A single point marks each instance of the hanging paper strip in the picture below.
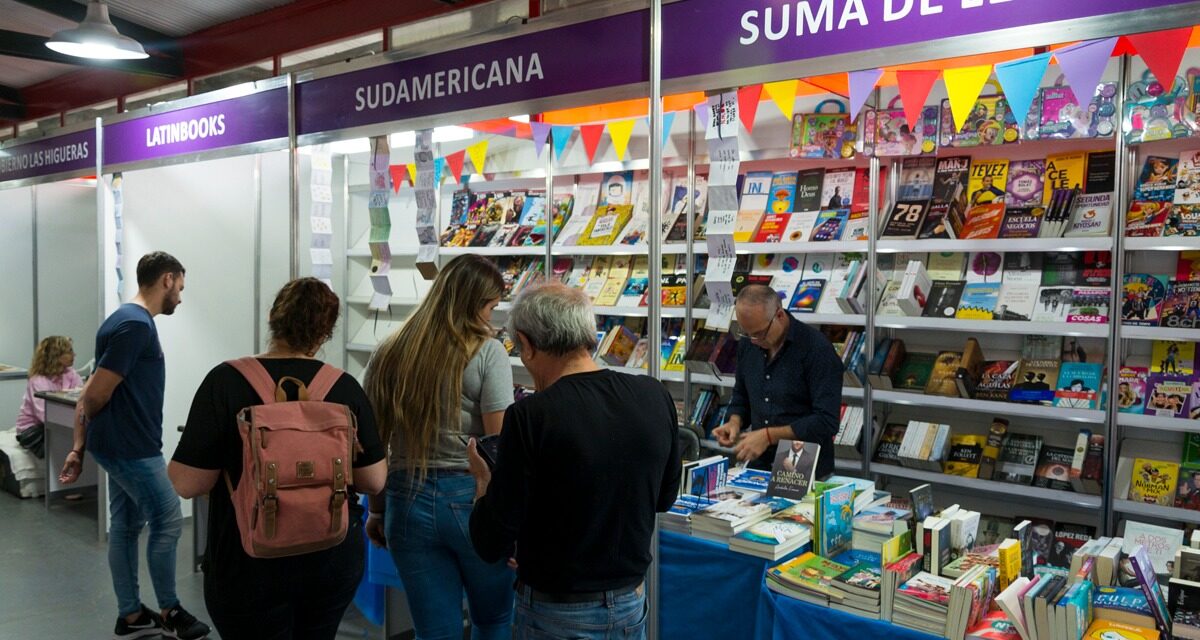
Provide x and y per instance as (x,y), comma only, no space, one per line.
(541,131)
(399,174)
(1083,64)
(560,135)
(963,87)
(380,234)
(320,215)
(425,192)
(914,89)
(724,162)
(783,93)
(1020,79)
(862,83)
(590,133)
(455,162)
(478,154)
(1162,51)
(620,133)
(118,196)
(748,98)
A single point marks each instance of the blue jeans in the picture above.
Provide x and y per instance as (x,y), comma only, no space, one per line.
(617,617)
(428,534)
(140,492)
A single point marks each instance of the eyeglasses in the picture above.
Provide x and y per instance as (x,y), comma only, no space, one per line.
(758,336)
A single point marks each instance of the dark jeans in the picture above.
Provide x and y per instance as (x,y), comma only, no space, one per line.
(33,440)
(298,598)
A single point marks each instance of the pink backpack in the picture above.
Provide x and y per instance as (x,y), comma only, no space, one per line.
(296,465)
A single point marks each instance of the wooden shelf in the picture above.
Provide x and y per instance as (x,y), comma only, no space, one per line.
(1022,492)
(1090,416)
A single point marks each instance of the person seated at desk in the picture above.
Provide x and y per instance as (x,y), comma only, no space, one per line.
(51,370)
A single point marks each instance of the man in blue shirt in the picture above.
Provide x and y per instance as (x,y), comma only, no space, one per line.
(788,386)
(119,419)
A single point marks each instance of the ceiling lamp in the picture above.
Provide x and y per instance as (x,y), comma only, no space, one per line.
(96,38)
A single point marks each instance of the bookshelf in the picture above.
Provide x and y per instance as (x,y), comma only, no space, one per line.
(1177,243)
(1159,333)
(755,248)
(1003,409)
(1157,423)
(1139,509)
(993,326)
(999,245)
(450,252)
(1018,491)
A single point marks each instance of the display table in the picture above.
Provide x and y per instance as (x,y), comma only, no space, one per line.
(60,437)
(792,619)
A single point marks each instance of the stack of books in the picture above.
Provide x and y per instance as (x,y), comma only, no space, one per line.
(875,526)
(923,603)
(807,577)
(721,521)
(858,590)
(679,517)
(779,535)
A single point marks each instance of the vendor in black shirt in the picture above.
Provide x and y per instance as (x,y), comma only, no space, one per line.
(583,466)
(789,383)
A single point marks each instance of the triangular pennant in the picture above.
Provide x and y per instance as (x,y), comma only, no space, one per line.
(702,115)
(439,165)
(784,95)
(963,86)
(1124,48)
(478,153)
(455,161)
(620,132)
(561,135)
(1020,80)
(1083,64)
(397,172)
(412,173)
(747,98)
(914,89)
(668,122)
(1162,51)
(591,139)
(862,83)
(540,131)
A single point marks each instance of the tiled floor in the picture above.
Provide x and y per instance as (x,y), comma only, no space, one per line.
(54,580)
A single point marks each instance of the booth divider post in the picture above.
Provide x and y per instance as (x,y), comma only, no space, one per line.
(654,309)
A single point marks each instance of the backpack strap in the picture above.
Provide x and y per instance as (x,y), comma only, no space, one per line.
(323,382)
(256,374)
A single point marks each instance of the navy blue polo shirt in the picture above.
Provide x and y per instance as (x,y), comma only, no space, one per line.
(800,388)
(130,425)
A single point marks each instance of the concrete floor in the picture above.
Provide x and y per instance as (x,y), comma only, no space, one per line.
(54,580)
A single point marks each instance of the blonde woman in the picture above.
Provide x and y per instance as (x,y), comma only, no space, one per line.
(441,376)
(50,371)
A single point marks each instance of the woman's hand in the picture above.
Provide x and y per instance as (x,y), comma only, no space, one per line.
(375,532)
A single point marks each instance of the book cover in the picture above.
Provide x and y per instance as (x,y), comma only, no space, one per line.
(807,296)
(1064,171)
(829,225)
(964,456)
(1018,458)
(942,378)
(942,301)
(951,179)
(978,301)
(793,469)
(782,193)
(1182,220)
(1025,183)
(1089,305)
(987,183)
(927,587)
(889,443)
(1035,379)
(1019,288)
(946,265)
(935,225)
(1053,304)
(905,219)
(922,502)
(1079,385)
(808,189)
(1069,538)
(996,380)
(837,188)
(916,178)
(1054,469)
(772,227)
(1146,218)
(914,373)
(1187,266)
(1101,172)
(860,577)
(984,266)
(1111,630)
(808,571)
(1181,307)
(1131,389)
(1142,296)
(606,224)
(1153,481)
(984,221)
(1187,495)
(1091,216)
(1187,178)
(836,513)
(1157,179)
(1167,395)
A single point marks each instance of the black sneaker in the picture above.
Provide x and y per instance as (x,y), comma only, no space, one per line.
(147,624)
(178,623)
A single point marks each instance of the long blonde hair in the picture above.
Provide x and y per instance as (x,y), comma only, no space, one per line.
(47,357)
(414,380)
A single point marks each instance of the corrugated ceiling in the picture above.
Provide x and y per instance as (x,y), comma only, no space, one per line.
(181,17)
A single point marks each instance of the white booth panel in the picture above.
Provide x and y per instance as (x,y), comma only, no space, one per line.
(68,264)
(17,333)
(276,189)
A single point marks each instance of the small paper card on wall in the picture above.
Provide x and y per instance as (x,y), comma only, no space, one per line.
(720,313)
(379,301)
(724,162)
(426,198)
(321,193)
(381,257)
(722,116)
(720,246)
(720,272)
(427,261)
(321,256)
(322,240)
(321,224)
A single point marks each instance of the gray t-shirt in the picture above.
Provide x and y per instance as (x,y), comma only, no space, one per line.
(487,386)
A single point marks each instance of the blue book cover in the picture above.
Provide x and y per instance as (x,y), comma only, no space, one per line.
(1124,599)
(830,225)
(854,557)
(1079,385)
(783,192)
(751,479)
(978,301)
(807,296)
(836,520)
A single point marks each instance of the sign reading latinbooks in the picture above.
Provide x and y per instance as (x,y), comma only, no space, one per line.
(794,469)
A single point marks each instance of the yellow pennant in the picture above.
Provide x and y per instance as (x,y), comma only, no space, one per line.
(783,93)
(412,174)
(620,133)
(963,86)
(478,153)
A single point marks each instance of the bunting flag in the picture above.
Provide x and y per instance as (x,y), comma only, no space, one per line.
(1124,48)
(748,98)
(963,86)
(439,169)
(412,173)
(1083,64)
(455,161)
(914,89)
(397,172)
(1020,79)
(862,83)
(541,131)
(561,135)
(620,133)
(668,122)
(478,154)
(702,115)
(784,95)
(590,133)
(1162,51)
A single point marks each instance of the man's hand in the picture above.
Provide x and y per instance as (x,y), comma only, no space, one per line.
(752,445)
(727,434)
(479,469)
(375,532)
(71,468)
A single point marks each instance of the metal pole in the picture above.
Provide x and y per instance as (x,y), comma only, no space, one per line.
(37,337)
(654,309)
(257,234)
(550,210)
(294,183)
(100,228)
(689,252)
(345,259)
(873,218)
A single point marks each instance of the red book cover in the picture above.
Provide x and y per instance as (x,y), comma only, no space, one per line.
(861,200)
(771,229)
(983,221)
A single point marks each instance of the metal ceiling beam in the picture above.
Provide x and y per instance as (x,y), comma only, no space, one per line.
(75,12)
(10,94)
(24,45)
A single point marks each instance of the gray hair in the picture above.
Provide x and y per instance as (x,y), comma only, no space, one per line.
(555,318)
(759,295)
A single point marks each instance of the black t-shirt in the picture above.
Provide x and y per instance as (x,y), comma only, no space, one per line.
(211,441)
(583,467)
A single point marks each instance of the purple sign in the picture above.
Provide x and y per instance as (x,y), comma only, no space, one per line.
(49,156)
(708,36)
(604,53)
(252,118)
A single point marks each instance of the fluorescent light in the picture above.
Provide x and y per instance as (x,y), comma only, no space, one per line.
(403,139)
(357,145)
(440,134)
(524,118)
(96,38)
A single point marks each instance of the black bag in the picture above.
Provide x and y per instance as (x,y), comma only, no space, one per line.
(33,440)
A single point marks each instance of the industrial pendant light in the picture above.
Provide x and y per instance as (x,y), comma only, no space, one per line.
(97,38)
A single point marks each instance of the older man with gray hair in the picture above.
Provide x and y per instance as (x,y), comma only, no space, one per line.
(583,466)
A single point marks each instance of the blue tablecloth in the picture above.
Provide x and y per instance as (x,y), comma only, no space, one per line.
(791,619)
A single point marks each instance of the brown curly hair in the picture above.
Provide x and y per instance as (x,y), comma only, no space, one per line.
(48,355)
(304,314)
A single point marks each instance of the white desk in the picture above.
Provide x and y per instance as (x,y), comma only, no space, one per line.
(60,437)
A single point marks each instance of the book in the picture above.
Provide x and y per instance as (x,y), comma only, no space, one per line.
(922,501)
(1167,395)
(1122,604)
(1153,481)
(1091,215)
(835,513)
(1101,172)
(1020,283)
(1064,171)
(889,443)
(772,227)
(1146,218)
(782,192)
(1182,220)
(808,572)
(964,456)
(793,469)
(837,188)
(915,372)
(1018,458)
(1187,178)
(947,265)
(951,180)
(1054,468)
(1160,544)
(987,183)
(1053,304)
(1025,183)
(1157,179)
(807,296)
(1110,630)
(916,178)
(943,298)
(1142,295)
(1033,384)
(1181,306)
(1131,389)
(606,225)
(1079,385)
(942,378)
(1021,222)
(996,380)
(935,225)
(978,301)
(905,219)
(830,225)
(1145,574)
(984,221)
(808,190)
